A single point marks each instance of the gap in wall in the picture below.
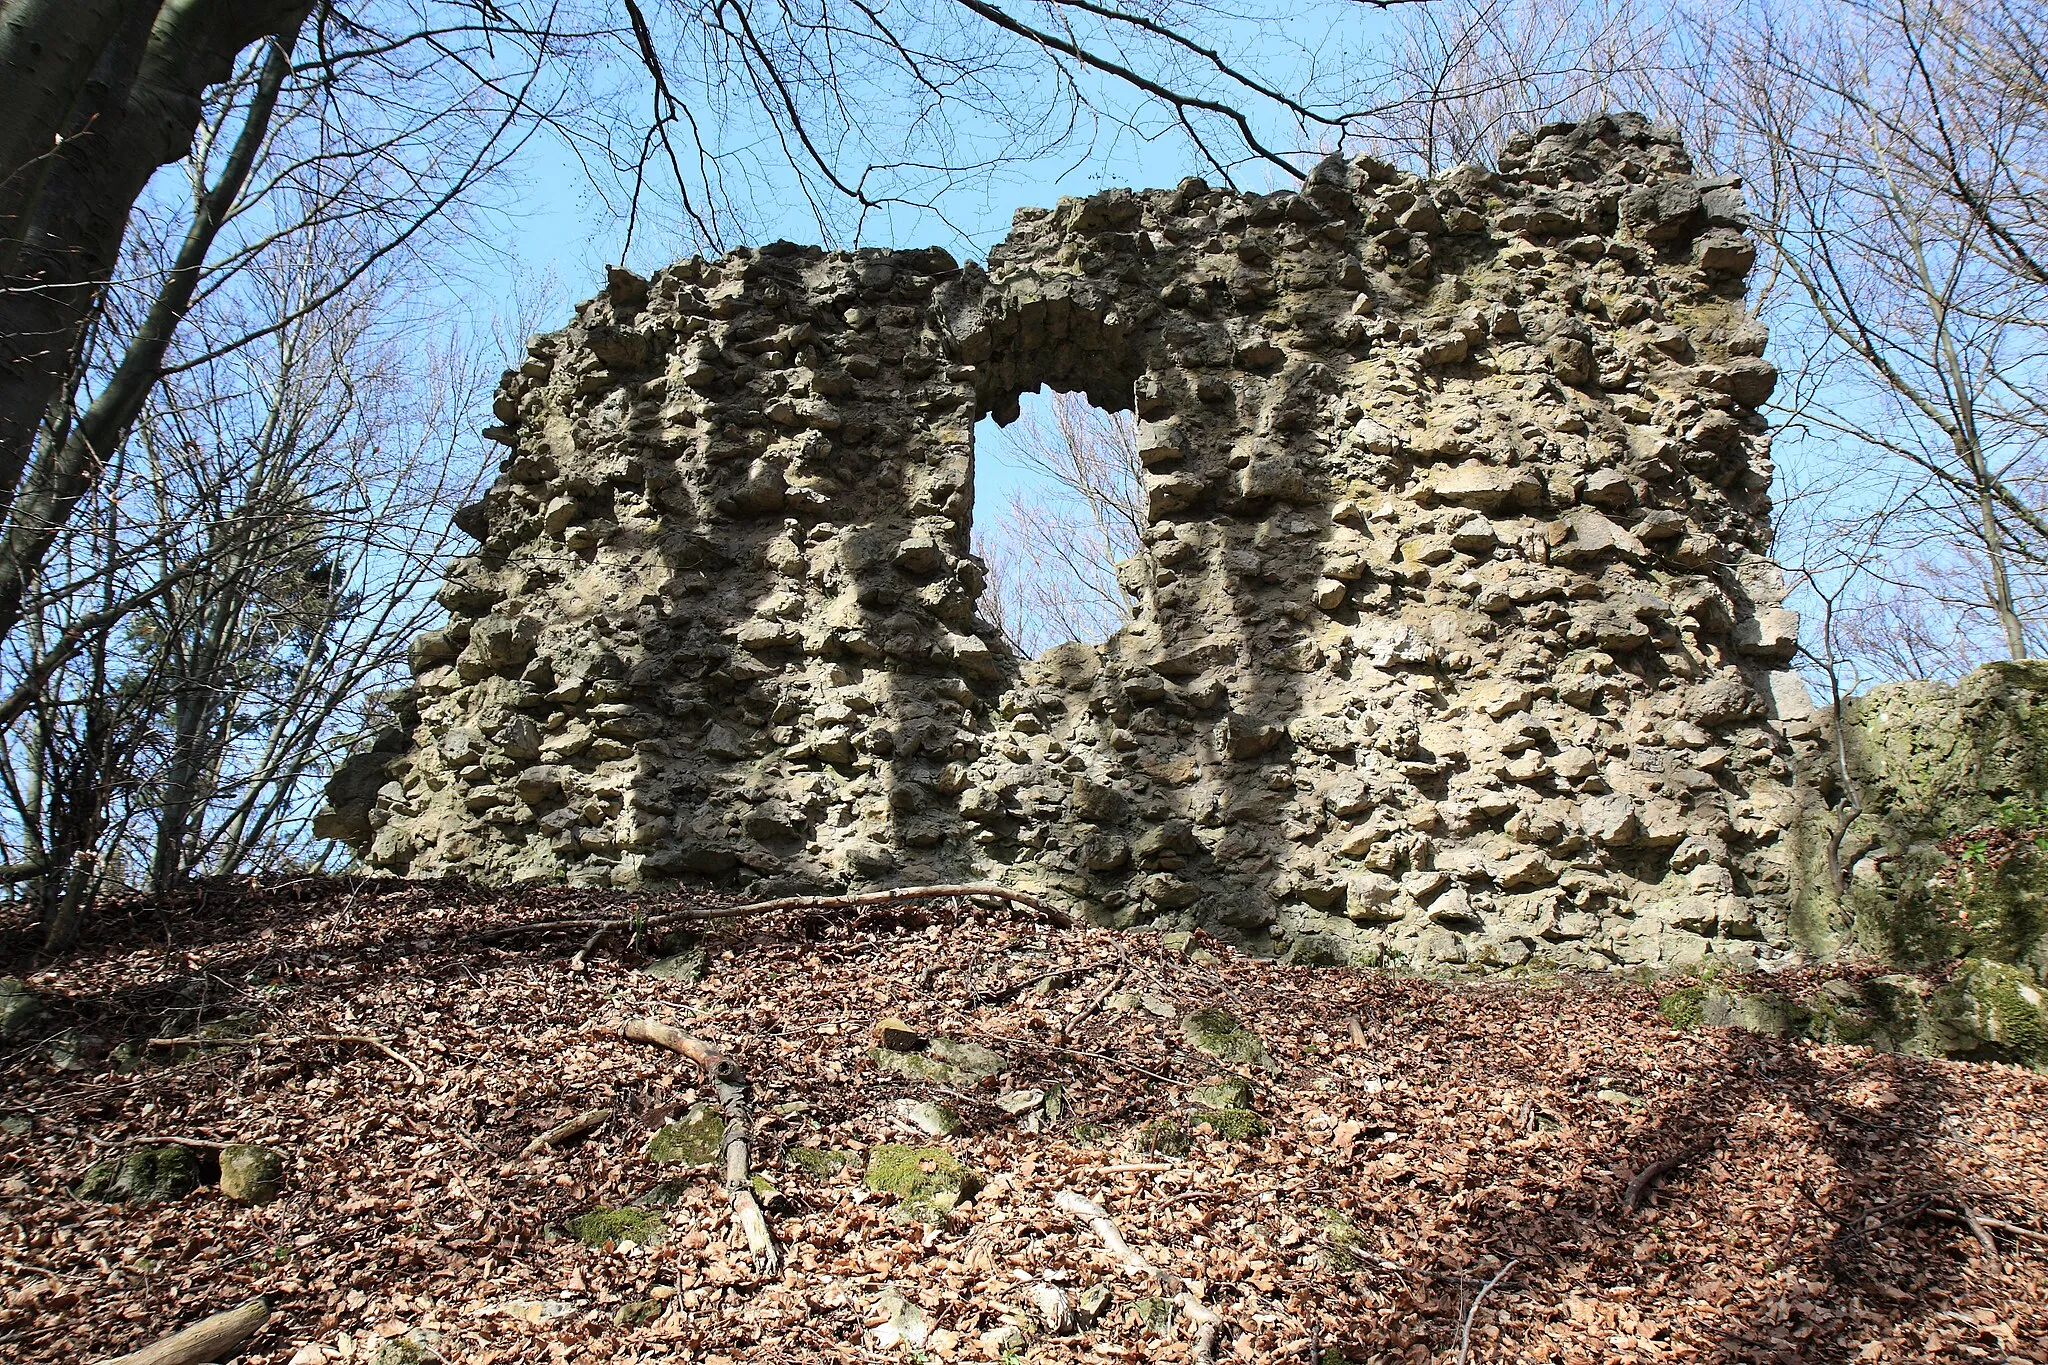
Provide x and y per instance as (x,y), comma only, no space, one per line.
(1058,502)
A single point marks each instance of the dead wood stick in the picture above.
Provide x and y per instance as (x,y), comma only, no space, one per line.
(288,1040)
(1974,1221)
(164,1140)
(1096,1218)
(1065,1028)
(584,1124)
(1646,1179)
(855,900)
(735,1101)
(709,1059)
(590,946)
(1984,1241)
(2014,1230)
(1465,1332)
(216,1338)
(1059,976)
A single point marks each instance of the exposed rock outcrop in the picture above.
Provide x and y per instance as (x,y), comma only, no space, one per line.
(1456,636)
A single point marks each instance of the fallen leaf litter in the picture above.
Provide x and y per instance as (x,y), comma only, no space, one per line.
(1416,1139)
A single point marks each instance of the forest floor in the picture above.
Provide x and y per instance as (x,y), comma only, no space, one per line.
(1425,1142)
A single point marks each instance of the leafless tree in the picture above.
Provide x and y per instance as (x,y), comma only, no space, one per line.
(1054,549)
(289,501)
(1893,154)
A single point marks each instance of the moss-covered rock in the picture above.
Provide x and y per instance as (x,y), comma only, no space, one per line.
(19,1008)
(1164,1137)
(692,1140)
(250,1174)
(605,1226)
(691,964)
(1217,1032)
(143,1175)
(928,1182)
(1233,1125)
(1770,1013)
(1936,770)
(1230,1092)
(638,1313)
(1994,1010)
(819,1163)
(943,1062)
(414,1348)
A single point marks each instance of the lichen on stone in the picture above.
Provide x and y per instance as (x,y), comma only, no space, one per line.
(250,1174)
(943,1062)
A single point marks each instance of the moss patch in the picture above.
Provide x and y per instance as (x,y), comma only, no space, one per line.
(1234,1125)
(819,1163)
(928,1182)
(1217,1032)
(146,1175)
(1165,1137)
(607,1225)
(1681,1008)
(1341,1240)
(691,1140)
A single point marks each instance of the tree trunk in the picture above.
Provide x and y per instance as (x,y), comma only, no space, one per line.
(48,49)
(71,461)
(138,109)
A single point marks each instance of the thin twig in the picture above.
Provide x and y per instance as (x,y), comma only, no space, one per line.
(1646,1179)
(1465,1333)
(860,900)
(287,1040)
(583,1125)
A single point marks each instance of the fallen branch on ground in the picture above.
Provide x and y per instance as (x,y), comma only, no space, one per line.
(1065,1028)
(735,1101)
(1003,995)
(289,1040)
(216,1338)
(1646,1179)
(583,1125)
(1465,1333)
(855,901)
(1973,1220)
(1096,1218)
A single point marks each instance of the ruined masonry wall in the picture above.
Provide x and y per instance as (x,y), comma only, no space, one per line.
(1456,636)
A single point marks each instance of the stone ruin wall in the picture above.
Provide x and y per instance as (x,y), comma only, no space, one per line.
(1456,635)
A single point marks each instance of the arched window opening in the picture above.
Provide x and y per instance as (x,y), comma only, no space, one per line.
(1058,504)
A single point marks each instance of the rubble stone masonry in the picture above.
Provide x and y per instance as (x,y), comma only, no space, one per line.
(1456,635)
